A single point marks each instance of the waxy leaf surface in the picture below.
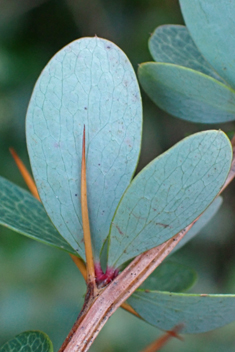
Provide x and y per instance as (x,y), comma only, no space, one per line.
(23,213)
(170,276)
(173,44)
(212,27)
(202,221)
(168,194)
(89,82)
(28,341)
(198,313)
(187,94)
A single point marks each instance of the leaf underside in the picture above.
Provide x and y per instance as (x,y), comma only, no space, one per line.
(198,226)
(168,194)
(186,93)
(28,341)
(212,27)
(198,313)
(173,44)
(170,276)
(89,82)
(23,213)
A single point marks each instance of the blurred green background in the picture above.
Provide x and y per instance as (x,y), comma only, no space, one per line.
(40,287)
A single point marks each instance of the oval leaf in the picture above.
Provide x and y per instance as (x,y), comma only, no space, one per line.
(89,82)
(212,27)
(28,341)
(173,44)
(170,276)
(202,221)
(197,313)
(187,94)
(168,194)
(23,213)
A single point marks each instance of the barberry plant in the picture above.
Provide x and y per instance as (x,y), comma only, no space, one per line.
(83,129)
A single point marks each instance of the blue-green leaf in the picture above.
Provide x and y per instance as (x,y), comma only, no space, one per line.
(28,341)
(197,313)
(168,194)
(170,276)
(187,94)
(174,45)
(23,213)
(212,27)
(198,226)
(89,82)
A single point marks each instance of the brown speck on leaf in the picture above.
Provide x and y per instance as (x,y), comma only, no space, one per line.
(118,228)
(163,225)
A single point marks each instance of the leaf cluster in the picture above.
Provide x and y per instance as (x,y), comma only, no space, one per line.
(91,83)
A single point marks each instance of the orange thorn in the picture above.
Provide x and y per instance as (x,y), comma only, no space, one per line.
(80,264)
(85,220)
(26,175)
(33,189)
(159,343)
(127,307)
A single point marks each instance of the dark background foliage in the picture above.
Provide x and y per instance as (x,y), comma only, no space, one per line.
(40,287)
